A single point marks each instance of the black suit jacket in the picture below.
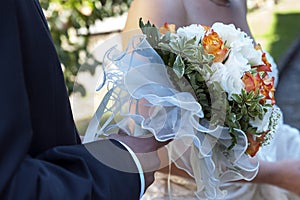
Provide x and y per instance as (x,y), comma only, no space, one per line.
(41,156)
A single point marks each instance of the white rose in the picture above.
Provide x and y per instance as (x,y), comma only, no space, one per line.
(253,56)
(229,79)
(192,31)
(238,41)
(234,37)
(236,66)
(237,63)
(274,68)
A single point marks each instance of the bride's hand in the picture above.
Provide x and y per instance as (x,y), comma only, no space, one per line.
(146,151)
(284,174)
(288,175)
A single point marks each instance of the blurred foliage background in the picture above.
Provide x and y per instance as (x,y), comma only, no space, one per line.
(70,22)
(276,27)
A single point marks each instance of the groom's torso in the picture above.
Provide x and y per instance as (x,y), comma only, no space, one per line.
(51,118)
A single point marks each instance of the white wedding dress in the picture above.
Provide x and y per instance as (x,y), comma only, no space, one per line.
(284,145)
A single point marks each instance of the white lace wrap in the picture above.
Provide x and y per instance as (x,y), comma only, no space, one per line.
(142,98)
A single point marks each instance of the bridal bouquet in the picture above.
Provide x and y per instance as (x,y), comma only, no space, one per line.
(207,89)
(222,61)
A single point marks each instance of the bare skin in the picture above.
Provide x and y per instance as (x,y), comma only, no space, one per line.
(285,174)
(186,12)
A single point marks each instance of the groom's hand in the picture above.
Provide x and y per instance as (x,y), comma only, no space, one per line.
(146,151)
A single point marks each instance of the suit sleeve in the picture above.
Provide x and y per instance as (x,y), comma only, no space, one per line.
(63,172)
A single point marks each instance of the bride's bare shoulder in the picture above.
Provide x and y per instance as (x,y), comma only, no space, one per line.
(156,11)
(185,12)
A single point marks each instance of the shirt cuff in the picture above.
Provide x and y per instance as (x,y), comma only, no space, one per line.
(139,167)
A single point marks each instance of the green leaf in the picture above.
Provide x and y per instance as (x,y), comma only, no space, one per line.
(164,46)
(244,94)
(191,42)
(244,110)
(252,114)
(237,98)
(199,78)
(251,130)
(141,23)
(239,116)
(152,33)
(234,136)
(174,47)
(166,38)
(250,96)
(178,66)
(233,117)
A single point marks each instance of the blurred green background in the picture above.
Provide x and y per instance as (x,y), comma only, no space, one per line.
(70,23)
(277,27)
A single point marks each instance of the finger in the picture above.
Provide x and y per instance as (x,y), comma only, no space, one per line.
(156,144)
(114,136)
(165,143)
(122,132)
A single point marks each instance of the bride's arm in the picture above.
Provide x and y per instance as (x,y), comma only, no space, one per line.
(156,11)
(284,174)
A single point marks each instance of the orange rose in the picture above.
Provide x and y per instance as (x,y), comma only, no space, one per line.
(167,28)
(268,89)
(265,85)
(252,83)
(213,44)
(254,143)
(206,28)
(266,67)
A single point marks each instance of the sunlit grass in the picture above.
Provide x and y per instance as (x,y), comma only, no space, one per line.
(279,32)
(285,30)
